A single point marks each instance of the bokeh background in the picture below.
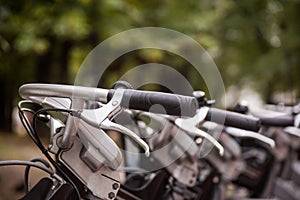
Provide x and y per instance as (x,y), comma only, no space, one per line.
(255,44)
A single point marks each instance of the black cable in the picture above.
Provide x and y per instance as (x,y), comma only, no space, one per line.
(25,120)
(27,163)
(33,164)
(35,116)
(44,151)
(26,174)
(33,134)
(31,129)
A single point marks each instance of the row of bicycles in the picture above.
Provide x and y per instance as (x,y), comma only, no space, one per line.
(122,143)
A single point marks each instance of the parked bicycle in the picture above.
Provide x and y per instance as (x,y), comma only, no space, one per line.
(187,150)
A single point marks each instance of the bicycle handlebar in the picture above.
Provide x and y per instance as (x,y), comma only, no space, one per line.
(275,118)
(233,119)
(173,104)
(281,121)
(63,91)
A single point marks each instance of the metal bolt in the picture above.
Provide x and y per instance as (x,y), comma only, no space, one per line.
(114,103)
(115,186)
(57,130)
(111,195)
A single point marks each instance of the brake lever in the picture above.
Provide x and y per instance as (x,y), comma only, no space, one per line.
(250,134)
(101,117)
(292,131)
(189,125)
(109,125)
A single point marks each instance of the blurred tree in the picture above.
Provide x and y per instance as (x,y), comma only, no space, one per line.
(252,41)
(259,44)
(36,44)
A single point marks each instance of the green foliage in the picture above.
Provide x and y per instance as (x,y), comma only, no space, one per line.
(256,41)
(259,41)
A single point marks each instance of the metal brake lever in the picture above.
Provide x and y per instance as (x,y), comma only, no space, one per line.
(249,134)
(189,125)
(107,124)
(292,131)
(101,117)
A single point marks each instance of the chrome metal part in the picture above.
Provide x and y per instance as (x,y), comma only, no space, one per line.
(99,182)
(99,147)
(292,131)
(101,117)
(189,125)
(56,130)
(178,155)
(250,134)
(28,91)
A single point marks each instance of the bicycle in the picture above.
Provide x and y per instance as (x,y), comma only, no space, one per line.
(86,157)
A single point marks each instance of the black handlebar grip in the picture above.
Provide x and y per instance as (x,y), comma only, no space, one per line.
(173,104)
(281,121)
(233,119)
